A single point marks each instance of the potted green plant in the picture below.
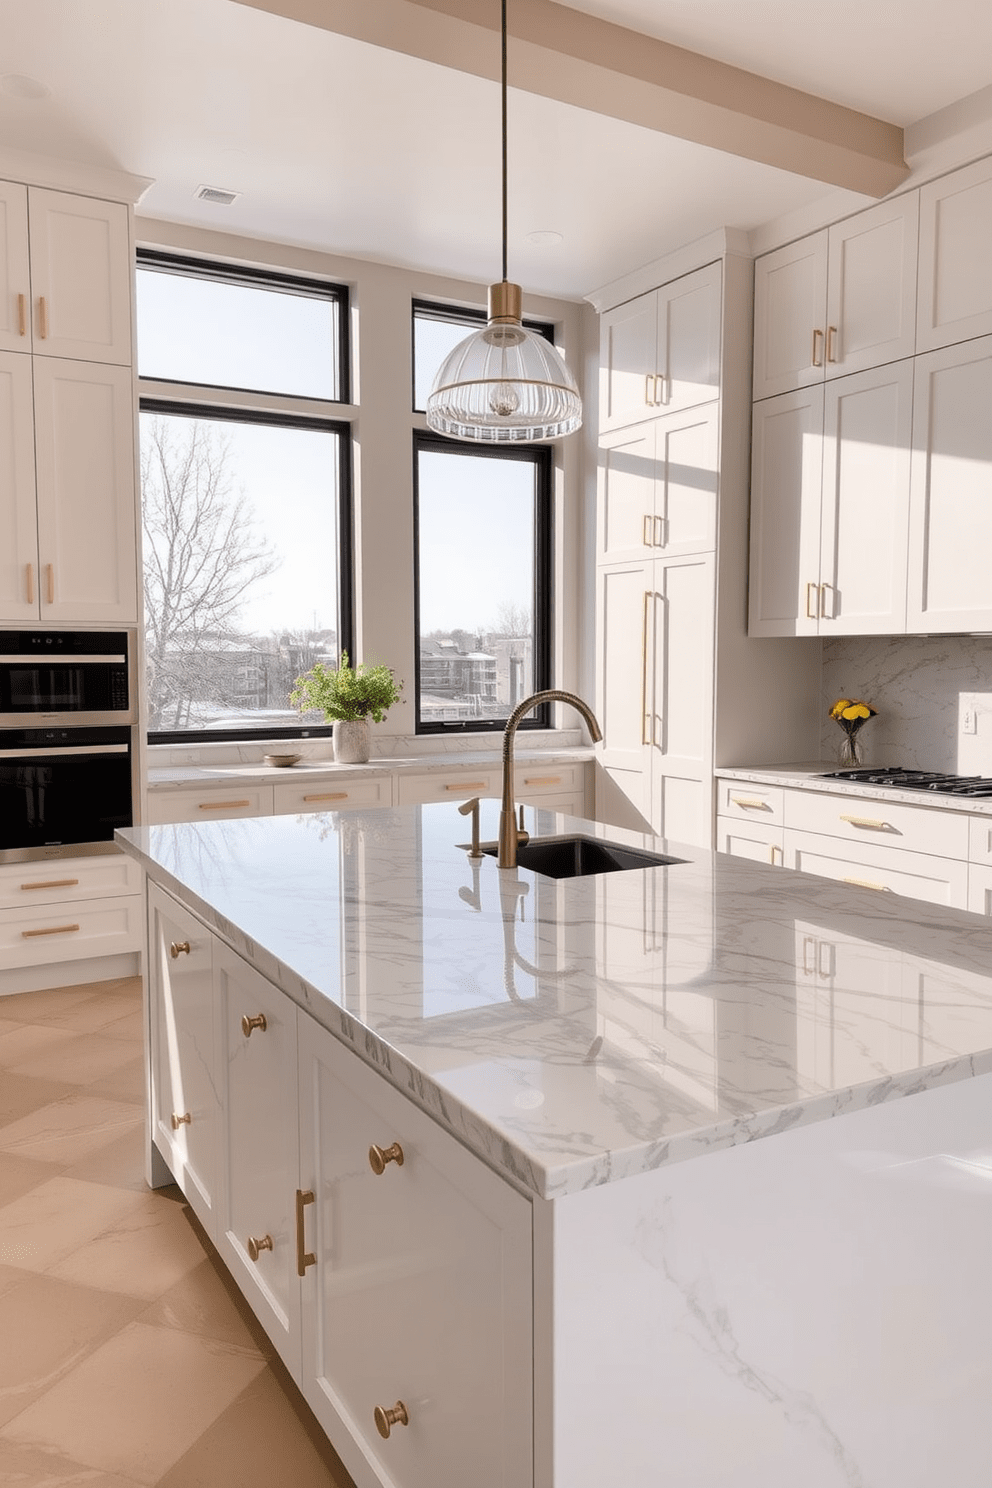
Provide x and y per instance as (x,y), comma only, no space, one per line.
(348,697)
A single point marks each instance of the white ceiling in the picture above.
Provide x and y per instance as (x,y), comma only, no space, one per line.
(343,146)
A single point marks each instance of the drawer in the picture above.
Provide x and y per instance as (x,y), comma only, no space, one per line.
(883,823)
(58,879)
(980,889)
(759,841)
(329,795)
(448,785)
(37,934)
(872,865)
(756,803)
(980,839)
(530,782)
(208,805)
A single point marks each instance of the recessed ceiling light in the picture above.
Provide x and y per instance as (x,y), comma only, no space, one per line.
(216,194)
(19,85)
(545,237)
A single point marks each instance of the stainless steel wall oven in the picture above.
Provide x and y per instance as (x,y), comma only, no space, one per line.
(72,677)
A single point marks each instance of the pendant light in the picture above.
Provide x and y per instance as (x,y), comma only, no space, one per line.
(504,384)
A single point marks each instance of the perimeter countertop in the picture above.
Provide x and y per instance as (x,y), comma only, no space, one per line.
(807,777)
(576,1032)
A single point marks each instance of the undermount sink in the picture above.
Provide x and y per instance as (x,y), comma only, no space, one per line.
(578,857)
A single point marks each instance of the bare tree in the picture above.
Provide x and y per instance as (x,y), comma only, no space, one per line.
(202,557)
(512,619)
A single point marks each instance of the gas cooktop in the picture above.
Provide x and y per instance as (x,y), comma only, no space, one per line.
(922,780)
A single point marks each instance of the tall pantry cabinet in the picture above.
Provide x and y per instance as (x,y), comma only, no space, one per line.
(679,686)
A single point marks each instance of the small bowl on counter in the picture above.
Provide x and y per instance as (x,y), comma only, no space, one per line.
(282,761)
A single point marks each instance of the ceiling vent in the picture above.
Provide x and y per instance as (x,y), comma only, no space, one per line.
(216,194)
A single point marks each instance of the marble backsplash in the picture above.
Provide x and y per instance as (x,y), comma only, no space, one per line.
(923,687)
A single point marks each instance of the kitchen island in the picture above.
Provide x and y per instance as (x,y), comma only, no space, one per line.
(703,1152)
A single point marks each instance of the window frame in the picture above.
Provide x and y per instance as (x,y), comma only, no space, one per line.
(542,457)
(289,416)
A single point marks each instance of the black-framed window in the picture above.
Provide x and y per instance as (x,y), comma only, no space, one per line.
(247,529)
(482,582)
(437,330)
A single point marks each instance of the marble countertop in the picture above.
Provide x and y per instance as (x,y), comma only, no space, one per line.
(804,777)
(183,777)
(575,1032)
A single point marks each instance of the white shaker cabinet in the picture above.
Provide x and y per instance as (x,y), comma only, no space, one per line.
(955,282)
(658,487)
(18,501)
(839,301)
(15,269)
(830,497)
(80,277)
(661,351)
(950,535)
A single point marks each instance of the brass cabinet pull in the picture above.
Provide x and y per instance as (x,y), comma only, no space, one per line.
(247,1024)
(648,380)
(646,529)
(467,785)
(823,605)
(542,780)
(811,613)
(866,883)
(380,1156)
(831,343)
(30,581)
(773,849)
(807,942)
(219,805)
(385,1420)
(22,315)
(814,360)
(329,796)
(751,802)
(304,1257)
(43,317)
(50,575)
(659,531)
(52,883)
(644,669)
(255,1247)
(867,821)
(184,1120)
(179,948)
(50,930)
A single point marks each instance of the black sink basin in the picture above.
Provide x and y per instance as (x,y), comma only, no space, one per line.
(578,857)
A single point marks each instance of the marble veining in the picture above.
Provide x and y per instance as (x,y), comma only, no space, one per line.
(576,1032)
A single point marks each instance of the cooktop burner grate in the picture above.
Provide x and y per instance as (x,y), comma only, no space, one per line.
(922,780)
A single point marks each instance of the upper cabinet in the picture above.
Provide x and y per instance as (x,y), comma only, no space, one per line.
(661,352)
(65,274)
(840,301)
(955,295)
(658,487)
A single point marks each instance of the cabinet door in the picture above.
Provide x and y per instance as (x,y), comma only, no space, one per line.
(950,529)
(686,456)
(758,841)
(864,521)
(871,287)
(260,1147)
(955,288)
(882,869)
(80,277)
(790,297)
(228,803)
(681,700)
(787,456)
(629,389)
(15,281)
(87,541)
(18,508)
(185,1107)
(689,339)
(625,639)
(421,1292)
(628,477)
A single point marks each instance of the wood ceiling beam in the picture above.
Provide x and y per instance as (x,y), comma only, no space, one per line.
(579,59)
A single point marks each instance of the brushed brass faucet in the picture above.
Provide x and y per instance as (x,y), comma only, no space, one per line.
(510,835)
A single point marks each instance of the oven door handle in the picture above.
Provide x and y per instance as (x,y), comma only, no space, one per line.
(57,752)
(60,659)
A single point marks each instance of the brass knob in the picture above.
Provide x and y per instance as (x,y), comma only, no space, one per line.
(385,1420)
(247,1024)
(178,1121)
(179,948)
(380,1156)
(255,1247)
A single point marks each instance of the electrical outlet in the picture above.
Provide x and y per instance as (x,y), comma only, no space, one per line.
(969,722)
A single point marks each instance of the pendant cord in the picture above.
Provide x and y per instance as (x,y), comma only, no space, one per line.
(503,90)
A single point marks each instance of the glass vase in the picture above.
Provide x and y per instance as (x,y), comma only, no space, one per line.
(852,751)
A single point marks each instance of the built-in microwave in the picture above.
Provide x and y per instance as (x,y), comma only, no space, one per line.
(80,678)
(63,791)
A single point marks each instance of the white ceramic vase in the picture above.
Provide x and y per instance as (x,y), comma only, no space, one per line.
(352,742)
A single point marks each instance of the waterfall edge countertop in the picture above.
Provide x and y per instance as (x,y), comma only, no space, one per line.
(575,1032)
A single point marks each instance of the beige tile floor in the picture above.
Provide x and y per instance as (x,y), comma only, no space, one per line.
(127,1355)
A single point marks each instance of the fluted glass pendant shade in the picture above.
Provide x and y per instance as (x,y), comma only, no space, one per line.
(504,384)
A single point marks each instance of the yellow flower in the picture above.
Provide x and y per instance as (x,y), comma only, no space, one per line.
(857,710)
(839,706)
